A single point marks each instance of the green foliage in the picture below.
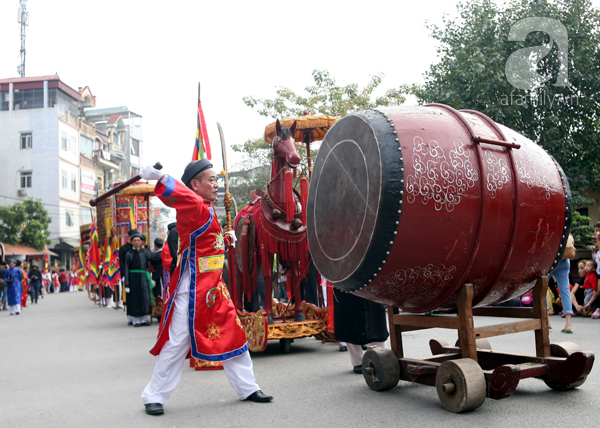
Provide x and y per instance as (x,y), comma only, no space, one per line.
(327,97)
(580,227)
(25,222)
(470,74)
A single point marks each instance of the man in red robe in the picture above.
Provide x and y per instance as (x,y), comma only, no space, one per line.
(199,319)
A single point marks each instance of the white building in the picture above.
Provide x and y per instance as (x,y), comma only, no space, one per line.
(50,152)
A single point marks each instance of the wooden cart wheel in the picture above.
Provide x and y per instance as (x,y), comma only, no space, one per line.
(563,350)
(286,345)
(381,368)
(460,385)
(479,344)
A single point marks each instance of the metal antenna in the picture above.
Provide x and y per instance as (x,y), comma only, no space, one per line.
(23,19)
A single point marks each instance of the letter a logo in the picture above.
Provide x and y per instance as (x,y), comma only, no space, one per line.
(521,65)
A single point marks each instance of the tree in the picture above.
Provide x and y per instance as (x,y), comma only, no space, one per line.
(327,97)
(25,222)
(552,97)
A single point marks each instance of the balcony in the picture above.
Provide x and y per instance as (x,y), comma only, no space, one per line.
(118,150)
(103,158)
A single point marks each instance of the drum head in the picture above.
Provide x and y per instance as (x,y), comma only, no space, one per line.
(355,199)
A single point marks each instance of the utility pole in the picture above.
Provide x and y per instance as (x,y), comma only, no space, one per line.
(23,19)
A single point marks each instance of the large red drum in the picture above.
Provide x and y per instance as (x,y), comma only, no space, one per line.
(407,204)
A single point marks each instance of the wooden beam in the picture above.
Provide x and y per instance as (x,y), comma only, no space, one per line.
(395,332)
(540,312)
(502,311)
(507,328)
(426,321)
(466,336)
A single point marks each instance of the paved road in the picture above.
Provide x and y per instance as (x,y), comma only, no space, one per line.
(67,363)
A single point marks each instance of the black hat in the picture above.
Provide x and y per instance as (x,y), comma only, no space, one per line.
(172,225)
(136,235)
(132,232)
(159,242)
(194,168)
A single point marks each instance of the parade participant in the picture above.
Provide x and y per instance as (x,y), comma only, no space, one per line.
(137,282)
(125,248)
(199,318)
(73,281)
(173,243)
(35,277)
(359,322)
(157,271)
(3,289)
(13,278)
(24,283)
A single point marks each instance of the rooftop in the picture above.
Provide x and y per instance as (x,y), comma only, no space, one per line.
(106,113)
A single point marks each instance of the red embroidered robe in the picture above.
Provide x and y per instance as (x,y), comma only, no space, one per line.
(215,330)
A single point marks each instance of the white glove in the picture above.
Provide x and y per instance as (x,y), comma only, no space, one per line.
(233,237)
(151,173)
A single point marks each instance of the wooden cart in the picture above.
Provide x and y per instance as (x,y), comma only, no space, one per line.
(465,374)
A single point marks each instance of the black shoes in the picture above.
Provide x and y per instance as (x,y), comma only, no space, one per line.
(343,349)
(358,369)
(154,409)
(259,397)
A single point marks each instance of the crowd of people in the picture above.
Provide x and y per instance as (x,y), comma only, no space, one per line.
(18,283)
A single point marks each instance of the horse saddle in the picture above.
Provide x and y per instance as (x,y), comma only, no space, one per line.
(279,222)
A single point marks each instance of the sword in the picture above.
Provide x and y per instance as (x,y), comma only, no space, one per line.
(227,198)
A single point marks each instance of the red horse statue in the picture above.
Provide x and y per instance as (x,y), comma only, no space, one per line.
(274,223)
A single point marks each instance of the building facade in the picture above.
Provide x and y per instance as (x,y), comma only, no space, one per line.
(53,152)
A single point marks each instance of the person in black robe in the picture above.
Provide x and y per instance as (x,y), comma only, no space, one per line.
(157,269)
(359,322)
(173,243)
(138,283)
(125,248)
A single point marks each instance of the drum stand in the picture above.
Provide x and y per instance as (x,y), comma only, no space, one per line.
(466,373)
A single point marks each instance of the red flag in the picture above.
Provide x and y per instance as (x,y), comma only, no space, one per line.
(202,146)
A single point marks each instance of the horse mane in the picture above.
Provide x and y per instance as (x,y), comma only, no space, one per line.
(285,133)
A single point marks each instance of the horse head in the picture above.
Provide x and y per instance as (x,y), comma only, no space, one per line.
(283,144)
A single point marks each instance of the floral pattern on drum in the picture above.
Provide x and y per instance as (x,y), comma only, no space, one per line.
(532,173)
(416,283)
(498,173)
(438,177)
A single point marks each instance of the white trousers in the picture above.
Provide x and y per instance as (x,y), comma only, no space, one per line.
(356,352)
(15,309)
(169,364)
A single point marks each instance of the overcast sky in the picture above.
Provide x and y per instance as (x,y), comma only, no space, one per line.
(150,56)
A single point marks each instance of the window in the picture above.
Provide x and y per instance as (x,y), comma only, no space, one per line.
(73,144)
(26,140)
(63,180)
(26,179)
(135,147)
(64,141)
(68,218)
(28,98)
(73,183)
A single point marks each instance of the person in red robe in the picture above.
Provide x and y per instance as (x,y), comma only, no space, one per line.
(199,319)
